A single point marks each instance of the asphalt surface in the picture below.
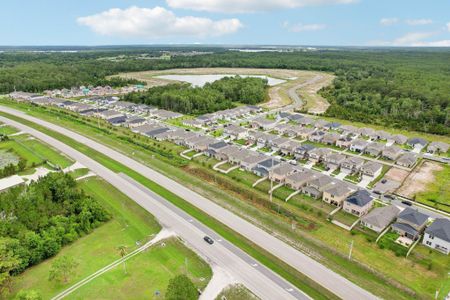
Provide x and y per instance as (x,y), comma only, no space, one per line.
(337,284)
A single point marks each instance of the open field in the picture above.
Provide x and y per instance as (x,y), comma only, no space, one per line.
(148,272)
(129,223)
(393,277)
(316,104)
(7,130)
(278,94)
(236,292)
(435,191)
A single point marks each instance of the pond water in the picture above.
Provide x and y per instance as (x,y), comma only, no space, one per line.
(201,80)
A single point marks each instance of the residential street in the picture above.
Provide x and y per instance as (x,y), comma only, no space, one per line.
(259,280)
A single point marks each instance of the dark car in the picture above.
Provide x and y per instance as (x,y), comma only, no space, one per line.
(407,203)
(389,197)
(208,240)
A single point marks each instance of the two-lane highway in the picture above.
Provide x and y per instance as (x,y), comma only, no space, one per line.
(337,284)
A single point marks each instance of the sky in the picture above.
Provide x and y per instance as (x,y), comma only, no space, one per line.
(238,22)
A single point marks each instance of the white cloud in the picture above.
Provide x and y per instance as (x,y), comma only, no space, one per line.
(299,27)
(415,22)
(442,43)
(411,38)
(388,21)
(448,26)
(155,22)
(243,6)
(414,39)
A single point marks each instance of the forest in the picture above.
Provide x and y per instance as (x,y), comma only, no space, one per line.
(402,88)
(37,220)
(218,95)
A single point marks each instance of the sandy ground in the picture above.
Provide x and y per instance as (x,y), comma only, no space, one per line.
(277,94)
(396,174)
(218,282)
(418,179)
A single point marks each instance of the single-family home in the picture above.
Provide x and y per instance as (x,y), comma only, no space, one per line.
(305,121)
(336,193)
(407,160)
(305,132)
(135,121)
(349,130)
(410,223)
(235,132)
(289,147)
(263,123)
(438,147)
(162,114)
(108,114)
(392,152)
(352,164)
(213,148)
(116,121)
(280,172)
(382,135)
(374,149)
(302,152)
(358,145)
(358,203)
(437,235)
(314,188)
(371,169)
(295,117)
(276,143)
(320,123)
(332,126)
(344,142)
(318,154)
(192,123)
(330,138)
(334,160)
(317,136)
(380,217)
(399,139)
(418,143)
(368,132)
(299,179)
(251,160)
(262,168)
(225,153)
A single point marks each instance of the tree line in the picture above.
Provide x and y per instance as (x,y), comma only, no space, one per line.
(37,220)
(218,95)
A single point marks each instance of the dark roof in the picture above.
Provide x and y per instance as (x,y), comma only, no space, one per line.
(268,163)
(262,171)
(117,120)
(306,147)
(218,145)
(334,125)
(156,131)
(360,198)
(68,102)
(284,115)
(135,120)
(413,141)
(406,228)
(413,216)
(440,229)
(295,117)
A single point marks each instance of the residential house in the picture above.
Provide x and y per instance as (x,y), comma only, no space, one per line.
(374,149)
(289,147)
(344,142)
(295,117)
(349,130)
(116,121)
(108,114)
(371,169)
(124,105)
(280,172)
(299,179)
(330,138)
(135,121)
(193,123)
(252,160)
(407,160)
(332,126)
(437,147)
(382,135)
(317,136)
(302,152)
(358,145)
(253,136)
(226,153)
(157,134)
(213,148)
(306,121)
(276,144)
(305,133)
(399,139)
(358,203)
(437,235)
(263,123)
(410,223)
(320,123)
(352,164)
(315,187)
(336,193)
(235,132)
(368,132)
(162,114)
(318,154)
(392,152)
(334,160)
(417,143)
(380,218)
(201,145)
(262,168)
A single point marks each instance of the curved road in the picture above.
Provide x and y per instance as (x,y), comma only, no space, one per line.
(337,284)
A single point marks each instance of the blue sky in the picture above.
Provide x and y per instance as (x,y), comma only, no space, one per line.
(287,22)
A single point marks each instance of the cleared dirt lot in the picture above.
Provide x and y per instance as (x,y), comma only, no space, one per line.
(419,179)
(278,94)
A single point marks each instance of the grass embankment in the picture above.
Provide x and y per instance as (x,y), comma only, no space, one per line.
(327,243)
(129,223)
(437,192)
(284,270)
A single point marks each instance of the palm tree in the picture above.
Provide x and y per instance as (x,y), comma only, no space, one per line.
(122,252)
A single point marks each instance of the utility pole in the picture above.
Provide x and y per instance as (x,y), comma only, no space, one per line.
(271,181)
(350,252)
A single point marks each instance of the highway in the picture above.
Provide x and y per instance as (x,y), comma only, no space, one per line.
(337,284)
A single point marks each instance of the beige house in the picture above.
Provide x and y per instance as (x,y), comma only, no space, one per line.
(358,203)
(336,194)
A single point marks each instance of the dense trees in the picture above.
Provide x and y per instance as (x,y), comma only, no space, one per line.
(38,219)
(181,288)
(196,100)
(404,88)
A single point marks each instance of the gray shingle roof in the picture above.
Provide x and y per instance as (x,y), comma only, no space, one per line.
(440,229)
(381,216)
(360,198)
(413,216)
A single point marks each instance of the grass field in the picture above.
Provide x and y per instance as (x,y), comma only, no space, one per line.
(7,130)
(130,223)
(236,292)
(148,272)
(397,277)
(437,192)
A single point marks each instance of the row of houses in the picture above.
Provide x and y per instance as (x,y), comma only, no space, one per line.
(83,91)
(227,115)
(411,224)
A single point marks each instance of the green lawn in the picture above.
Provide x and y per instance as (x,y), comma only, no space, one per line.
(236,292)
(437,192)
(387,241)
(130,223)
(397,278)
(22,151)
(79,172)
(147,272)
(7,130)
(345,217)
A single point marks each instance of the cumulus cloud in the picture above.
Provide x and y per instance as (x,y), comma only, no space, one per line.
(415,22)
(299,27)
(156,23)
(388,21)
(243,6)
(414,39)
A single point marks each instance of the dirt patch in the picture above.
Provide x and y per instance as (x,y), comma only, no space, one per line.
(316,104)
(418,180)
(396,174)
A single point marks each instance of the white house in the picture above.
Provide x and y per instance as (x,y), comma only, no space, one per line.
(437,236)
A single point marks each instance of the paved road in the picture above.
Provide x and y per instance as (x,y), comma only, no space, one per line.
(260,280)
(311,268)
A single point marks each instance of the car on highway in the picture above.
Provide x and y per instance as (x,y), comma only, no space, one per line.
(406,202)
(208,240)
